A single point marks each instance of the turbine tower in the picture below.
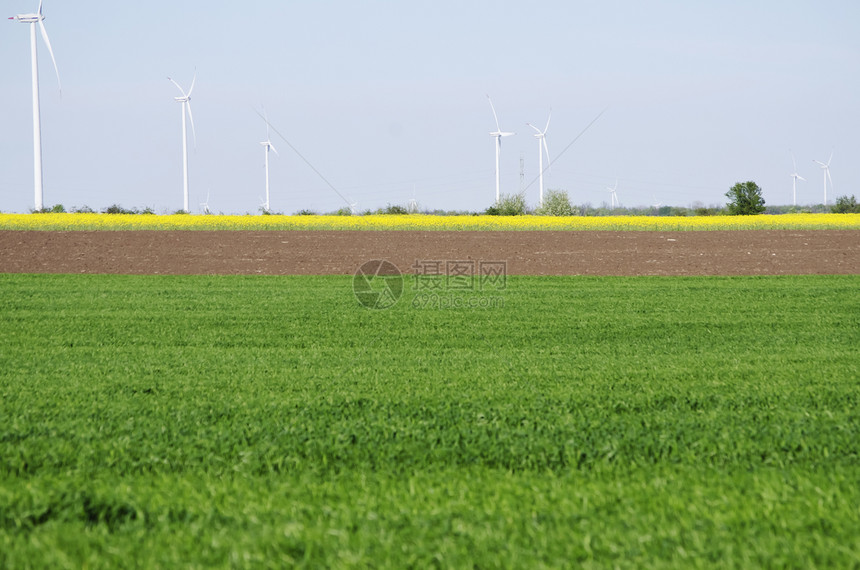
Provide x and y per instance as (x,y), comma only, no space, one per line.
(185,99)
(540,135)
(34,19)
(794,178)
(498,134)
(267,145)
(826,169)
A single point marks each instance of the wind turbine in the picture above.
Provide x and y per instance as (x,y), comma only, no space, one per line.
(498,134)
(613,197)
(33,19)
(794,178)
(541,137)
(267,145)
(412,208)
(826,169)
(205,205)
(185,99)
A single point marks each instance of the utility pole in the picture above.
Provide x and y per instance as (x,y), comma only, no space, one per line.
(522,172)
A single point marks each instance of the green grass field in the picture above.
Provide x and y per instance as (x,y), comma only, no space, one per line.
(585,422)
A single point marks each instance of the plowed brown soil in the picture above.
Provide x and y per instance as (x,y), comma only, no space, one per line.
(342,252)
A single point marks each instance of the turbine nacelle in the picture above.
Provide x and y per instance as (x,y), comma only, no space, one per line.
(28,18)
(269,146)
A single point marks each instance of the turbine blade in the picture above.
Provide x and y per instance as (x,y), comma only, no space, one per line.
(496,117)
(40,7)
(535,128)
(546,149)
(50,49)
(271,146)
(547,121)
(799,177)
(191,117)
(829,159)
(193,81)
(181,90)
(794,162)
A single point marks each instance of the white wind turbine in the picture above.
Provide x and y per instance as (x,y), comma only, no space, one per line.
(498,134)
(267,145)
(613,197)
(826,169)
(34,19)
(541,137)
(794,178)
(412,208)
(185,99)
(205,205)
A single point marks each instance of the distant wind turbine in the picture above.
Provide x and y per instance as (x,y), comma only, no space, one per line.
(185,99)
(412,208)
(541,137)
(267,144)
(794,178)
(613,197)
(826,169)
(33,19)
(498,134)
(205,205)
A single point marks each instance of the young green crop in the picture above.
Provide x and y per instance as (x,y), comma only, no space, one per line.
(272,421)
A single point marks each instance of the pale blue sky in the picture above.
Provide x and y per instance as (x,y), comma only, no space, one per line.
(388,101)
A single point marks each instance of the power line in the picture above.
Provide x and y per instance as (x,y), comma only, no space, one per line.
(295,150)
(570,144)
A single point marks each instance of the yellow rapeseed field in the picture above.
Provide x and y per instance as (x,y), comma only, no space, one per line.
(71,222)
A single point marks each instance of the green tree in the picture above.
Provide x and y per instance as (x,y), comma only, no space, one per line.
(509,205)
(556,203)
(846,205)
(745,199)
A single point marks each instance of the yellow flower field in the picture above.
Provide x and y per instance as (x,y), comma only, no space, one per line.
(116,222)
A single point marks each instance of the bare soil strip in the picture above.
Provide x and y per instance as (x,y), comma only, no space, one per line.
(780,252)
